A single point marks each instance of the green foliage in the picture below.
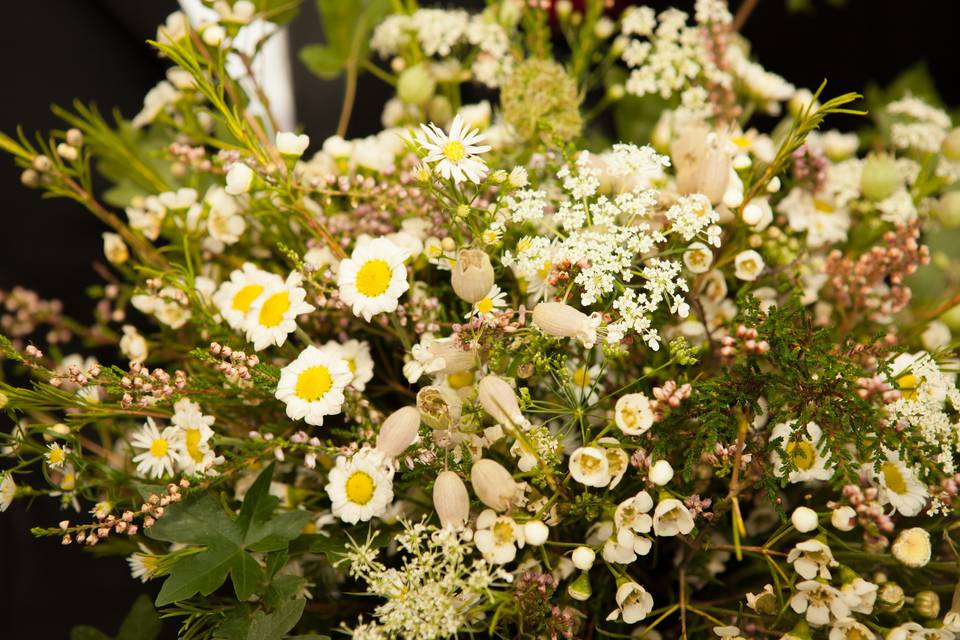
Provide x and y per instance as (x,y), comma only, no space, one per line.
(228,542)
(347,27)
(141,623)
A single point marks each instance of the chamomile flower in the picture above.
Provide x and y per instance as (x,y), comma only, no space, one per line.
(193,435)
(144,563)
(804,452)
(235,296)
(56,455)
(273,314)
(312,385)
(498,537)
(357,356)
(360,487)
(900,487)
(157,457)
(8,490)
(485,306)
(373,278)
(454,155)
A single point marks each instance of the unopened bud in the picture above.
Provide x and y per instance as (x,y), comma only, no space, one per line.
(499,400)
(399,431)
(494,485)
(74,137)
(472,277)
(890,597)
(438,407)
(450,500)
(564,321)
(927,604)
(416,85)
(455,359)
(580,588)
(950,148)
(880,177)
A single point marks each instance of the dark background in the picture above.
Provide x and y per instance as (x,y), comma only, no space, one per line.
(53,51)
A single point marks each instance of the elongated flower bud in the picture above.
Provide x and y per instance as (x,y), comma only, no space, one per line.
(398,431)
(563,321)
(439,408)
(499,400)
(472,277)
(455,359)
(450,500)
(712,175)
(494,485)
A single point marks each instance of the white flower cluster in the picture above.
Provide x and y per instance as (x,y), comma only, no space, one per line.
(917,124)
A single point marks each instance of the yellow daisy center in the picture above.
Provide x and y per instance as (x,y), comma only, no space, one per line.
(544,271)
(803,454)
(503,532)
(373,278)
(313,383)
(192,439)
(581,377)
(274,308)
(742,142)
(454,151)
(360,487)
(158,448)
(56,456)
(822,206)
(893,478)
(460,379)
(908,386)
(485,305)
(245,297)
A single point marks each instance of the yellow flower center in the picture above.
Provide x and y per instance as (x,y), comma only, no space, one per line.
(581,377)
(893,478)
(454,151)
(630,417)
(803,454)
(245,297)
(360,487)
(697,257)
(485,305)
(908,386)
(373,278)
(855,634)
(313,383)
(158,448)
(589,464)
(822,206)
(460,379)
(274,308)
(352,365)
(192,439)
(56,456)
(544,271)
(742,142)
(503,532)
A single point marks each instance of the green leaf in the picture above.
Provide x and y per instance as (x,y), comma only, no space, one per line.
(282,589)
(279,12)
(85,632)
(246,576)
(275,625)
(142,623)
(202,573)
(322,61)
(258,503)
(275,534)
(347,27)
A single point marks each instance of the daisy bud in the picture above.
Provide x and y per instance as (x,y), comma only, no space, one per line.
(398,431)
(292,145)
(499,400)
(563,321)
(804,519)
(472,277)
(415,85)
(912,547)
(239,179)
(950,147)
(494,485)
(843,518)
(580,588)
(927,604)
(890,597)
(439,408)
(114,248)
(450,500)
(535,533)
(661,473)
(583,558)
(880,176)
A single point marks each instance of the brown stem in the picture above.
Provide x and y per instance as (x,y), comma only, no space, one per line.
(743,12)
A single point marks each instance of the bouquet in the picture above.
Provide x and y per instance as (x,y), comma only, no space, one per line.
(606,334)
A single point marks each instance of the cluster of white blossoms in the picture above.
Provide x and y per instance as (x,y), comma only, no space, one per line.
(186,445)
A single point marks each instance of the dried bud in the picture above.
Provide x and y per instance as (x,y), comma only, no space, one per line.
(439,407)
(472,277)
(499,400)
(494,485)
(450,500)
(563,321)
(398,431)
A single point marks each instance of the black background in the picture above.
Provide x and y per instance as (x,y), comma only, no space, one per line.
(52,51)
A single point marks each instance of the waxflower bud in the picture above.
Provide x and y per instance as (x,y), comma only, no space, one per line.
(74,137)
(661,473)
(950,148)
(30,178)
(472,277)
(499,400)
(580,588)
(67,152)
(438,408)
(890,597)
(239,179)
(42,163)
(927,604)
(292,145)
(416,85)
(114,248)
(880,177)
(912,547)
(804,519)
(563,321)
(535,533)
(450,500)
(583,558)
(399,431)
(843,518)
(494,485)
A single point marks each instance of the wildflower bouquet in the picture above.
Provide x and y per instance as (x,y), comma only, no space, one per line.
(592,356)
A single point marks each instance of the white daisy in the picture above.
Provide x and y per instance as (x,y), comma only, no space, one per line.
(144,563)
(497,537)
(8,490)
(484,307)
(454,155)
(312,385)
(900,486)
(372,280)
(236,295)
(157,458)
(804,452)
(273,314)
(56,455)
(192,438)
(357,356)
(360,487)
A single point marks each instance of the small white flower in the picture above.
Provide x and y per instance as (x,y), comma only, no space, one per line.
(589,466)
(56,455)
(671,517)
(633,414)
(633,603)
(360,487)
(114,248)
(273,314)
(454,155)
(312,385)
(192,438)
(372,280)
(748,265)
(850,629)
(698,257)
(900,487)
(8,490)
(497,537)
(860,595)
(133,345)
(291,144)
(811,559)
(239,179)
(143,563)
(156,460)
(912,547)
(819,602)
